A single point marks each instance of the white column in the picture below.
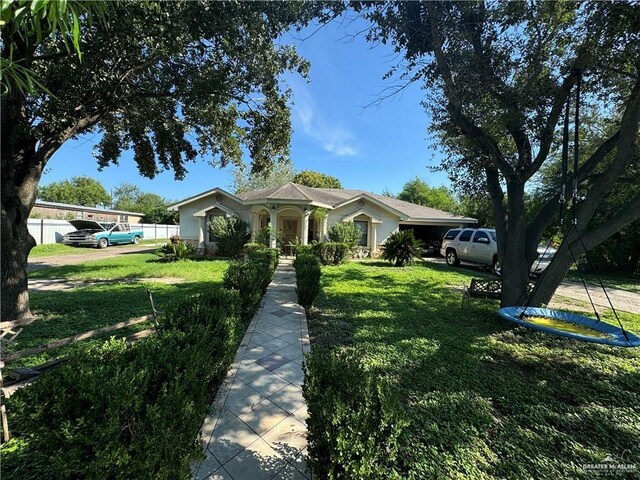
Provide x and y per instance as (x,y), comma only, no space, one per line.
(273,220)
(324,228)
(305,228)
(374,237)
(254,226)
(202,232)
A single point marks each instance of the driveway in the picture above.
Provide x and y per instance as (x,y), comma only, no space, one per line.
(37,263)
(621,299)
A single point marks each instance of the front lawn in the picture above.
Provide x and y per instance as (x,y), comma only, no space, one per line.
(51,249)
(116,296)
(471,395)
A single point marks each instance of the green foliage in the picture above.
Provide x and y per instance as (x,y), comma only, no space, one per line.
(345,232)
(319,214)
(249,248)
(308,272)
(230,235)
(419,192)
(303,249)
(246,181)
(128,410)
(251,278)
(356,421)
(332,253)
(174,252)
(478,206)
(466,380)
(401,248)
(80,190)
(131,198)
(309,178)
(263,237)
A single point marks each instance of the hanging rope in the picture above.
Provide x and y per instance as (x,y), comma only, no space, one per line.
(574,215)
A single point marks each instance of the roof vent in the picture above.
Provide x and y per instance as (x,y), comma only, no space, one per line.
(220,198)
(360,203)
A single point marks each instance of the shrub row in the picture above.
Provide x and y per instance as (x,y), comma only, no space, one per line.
(332,253)
(251,277)
(355,425)
(308,274)
(121,411)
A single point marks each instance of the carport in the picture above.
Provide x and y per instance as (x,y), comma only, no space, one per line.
(432,232)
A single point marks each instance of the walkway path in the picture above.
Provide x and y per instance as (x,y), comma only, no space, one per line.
(256,428)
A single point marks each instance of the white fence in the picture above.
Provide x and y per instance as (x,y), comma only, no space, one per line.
(51,231)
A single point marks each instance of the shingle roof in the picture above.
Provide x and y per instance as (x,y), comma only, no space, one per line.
(337,196)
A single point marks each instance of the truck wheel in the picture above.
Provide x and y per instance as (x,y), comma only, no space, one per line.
(103,243)
(452,258)
(136,240)
(497,267)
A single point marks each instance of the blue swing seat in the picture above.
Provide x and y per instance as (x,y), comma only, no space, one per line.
(614,335)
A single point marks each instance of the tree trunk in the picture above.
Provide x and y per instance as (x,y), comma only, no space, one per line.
(515,263)
(16,245)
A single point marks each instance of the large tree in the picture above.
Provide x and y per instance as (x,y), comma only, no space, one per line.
(79,190)
(499,75)
(169,80)
(314,179)
(420,192)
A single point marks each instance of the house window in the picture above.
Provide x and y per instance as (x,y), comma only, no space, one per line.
(124,218)
(364,228)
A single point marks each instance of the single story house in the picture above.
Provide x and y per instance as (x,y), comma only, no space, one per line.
(289,209)
(66,211)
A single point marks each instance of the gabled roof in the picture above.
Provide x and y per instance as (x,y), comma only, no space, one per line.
(175,206)
(336,197)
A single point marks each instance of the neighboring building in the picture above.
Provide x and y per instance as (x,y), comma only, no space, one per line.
(65,211)
(288,209)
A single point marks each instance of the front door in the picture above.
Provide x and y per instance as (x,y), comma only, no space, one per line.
(289,230)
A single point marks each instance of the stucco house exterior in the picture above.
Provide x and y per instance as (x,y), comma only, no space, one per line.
(289,209)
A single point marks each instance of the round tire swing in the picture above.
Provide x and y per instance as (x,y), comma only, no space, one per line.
(558,322)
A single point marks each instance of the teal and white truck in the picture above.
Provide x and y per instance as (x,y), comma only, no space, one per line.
(101,234)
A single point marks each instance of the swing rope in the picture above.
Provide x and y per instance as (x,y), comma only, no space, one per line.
(574,219)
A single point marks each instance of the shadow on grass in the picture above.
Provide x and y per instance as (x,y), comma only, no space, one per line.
(481,394)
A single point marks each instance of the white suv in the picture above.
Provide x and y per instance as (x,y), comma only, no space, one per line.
(479,246)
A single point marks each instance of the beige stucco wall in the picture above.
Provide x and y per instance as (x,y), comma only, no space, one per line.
(390,221)
(190,225)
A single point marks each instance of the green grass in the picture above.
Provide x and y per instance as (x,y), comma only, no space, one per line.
(135,265)
(69,312)
(483,398)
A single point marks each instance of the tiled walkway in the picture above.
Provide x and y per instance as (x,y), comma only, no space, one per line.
(256,428)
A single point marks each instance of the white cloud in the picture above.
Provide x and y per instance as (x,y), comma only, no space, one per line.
(334,139)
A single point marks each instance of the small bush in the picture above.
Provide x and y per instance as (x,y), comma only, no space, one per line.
(230,235)
(401,248)
(252,247)
(356,422)
(308,274)
(175,251)
(303,250)
(263,237)
(345,233)
(251,278)
(124,410)
(331,253)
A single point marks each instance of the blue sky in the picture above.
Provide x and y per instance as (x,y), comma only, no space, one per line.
(370,148)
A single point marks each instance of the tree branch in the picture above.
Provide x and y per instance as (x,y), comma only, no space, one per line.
(468,127)
(546,136)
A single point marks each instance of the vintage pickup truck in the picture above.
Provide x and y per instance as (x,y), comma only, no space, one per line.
(101,234)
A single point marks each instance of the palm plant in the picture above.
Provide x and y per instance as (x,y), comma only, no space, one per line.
(401,247)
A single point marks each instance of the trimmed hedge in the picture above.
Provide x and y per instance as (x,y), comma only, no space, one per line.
(121,410)
(355,428)
(308,274)
(251,278)
(304,249)
(332,253)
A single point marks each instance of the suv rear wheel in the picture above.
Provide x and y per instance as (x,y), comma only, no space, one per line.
(452,258)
